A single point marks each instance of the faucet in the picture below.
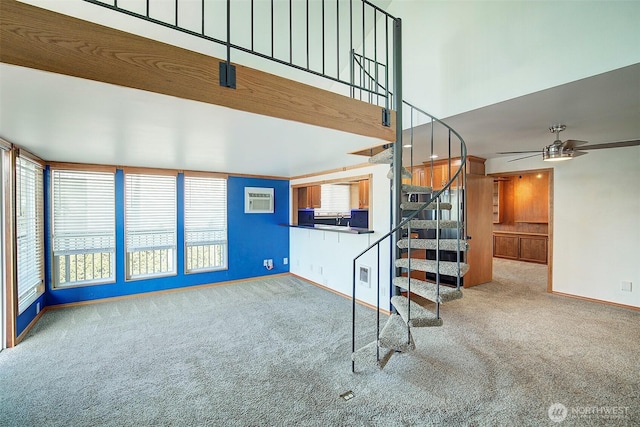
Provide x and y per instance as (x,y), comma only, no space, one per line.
(339,219)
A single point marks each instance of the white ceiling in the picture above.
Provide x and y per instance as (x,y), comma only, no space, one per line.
(599,109)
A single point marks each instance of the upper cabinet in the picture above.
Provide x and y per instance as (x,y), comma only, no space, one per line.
(363,194)
(440,172)
(417,178)
(309,197)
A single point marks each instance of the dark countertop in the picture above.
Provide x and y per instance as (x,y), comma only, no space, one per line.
(333,228)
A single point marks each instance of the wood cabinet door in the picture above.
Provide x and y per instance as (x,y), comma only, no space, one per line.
(363,191)
(315,196)
(303,199)
(437,176)
(533,249)
(505,246)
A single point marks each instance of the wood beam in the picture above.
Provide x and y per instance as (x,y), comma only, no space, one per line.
(37,38)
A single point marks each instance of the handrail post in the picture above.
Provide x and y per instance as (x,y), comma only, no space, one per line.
(226,70)
(396,192)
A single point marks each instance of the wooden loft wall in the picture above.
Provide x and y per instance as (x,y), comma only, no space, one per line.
(37,38)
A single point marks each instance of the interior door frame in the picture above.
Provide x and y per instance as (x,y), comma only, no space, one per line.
(550,214)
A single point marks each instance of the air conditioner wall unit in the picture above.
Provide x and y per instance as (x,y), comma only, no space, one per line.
(258,200)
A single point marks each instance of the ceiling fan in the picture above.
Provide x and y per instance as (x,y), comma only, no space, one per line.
(559,150)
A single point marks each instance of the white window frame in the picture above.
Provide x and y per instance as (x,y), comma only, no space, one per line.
(205,223)
(29,211)
(147,241)
(83,227)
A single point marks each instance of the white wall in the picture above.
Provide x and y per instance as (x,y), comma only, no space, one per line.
(462,55)
(326,257)
(596,213)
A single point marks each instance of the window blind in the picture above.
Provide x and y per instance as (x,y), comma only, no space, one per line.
(335,199)
(84,217)
(29,231)
(205,219)
(83,226)
(150,204)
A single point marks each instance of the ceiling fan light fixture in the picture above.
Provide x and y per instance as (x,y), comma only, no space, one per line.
(554,153)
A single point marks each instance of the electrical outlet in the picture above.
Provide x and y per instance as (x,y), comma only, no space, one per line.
(626,286)
(265,263)
(37,307)
(285,261)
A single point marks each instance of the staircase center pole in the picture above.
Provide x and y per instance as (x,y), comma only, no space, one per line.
(396,193)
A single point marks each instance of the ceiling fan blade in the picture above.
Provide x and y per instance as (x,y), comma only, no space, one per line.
(518,152)
(571,143)
(619,144)
(525,157)
(577,153)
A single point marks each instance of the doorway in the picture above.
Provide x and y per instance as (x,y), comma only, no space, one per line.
(523,218)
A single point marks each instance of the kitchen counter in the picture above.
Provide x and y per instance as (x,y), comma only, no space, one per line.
(332,228)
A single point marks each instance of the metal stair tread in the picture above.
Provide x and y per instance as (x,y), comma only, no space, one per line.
(420,316)
(428,290)
(396,336)
(416,189)
(442,244)
(448,268)
(414,206)
(425,224)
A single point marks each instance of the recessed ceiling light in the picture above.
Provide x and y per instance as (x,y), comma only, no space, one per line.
(433,156)
(407,146)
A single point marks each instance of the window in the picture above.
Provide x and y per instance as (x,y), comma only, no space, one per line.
(83,228)
(150,225)
(29,231)
(335,199)
(205,223)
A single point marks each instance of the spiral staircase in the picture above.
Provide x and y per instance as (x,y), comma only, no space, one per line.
(366,59)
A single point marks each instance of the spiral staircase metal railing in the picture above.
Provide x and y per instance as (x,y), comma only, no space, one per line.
(417,245)
(360,50)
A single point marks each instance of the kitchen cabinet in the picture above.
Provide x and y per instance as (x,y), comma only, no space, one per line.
(309,197)
(522,247)
(442,173)
(363,194)
(417,174)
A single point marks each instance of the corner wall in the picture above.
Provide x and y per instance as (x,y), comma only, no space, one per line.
(596,213)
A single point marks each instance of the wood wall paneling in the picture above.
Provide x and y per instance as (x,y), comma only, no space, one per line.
(44,40)
(531,198)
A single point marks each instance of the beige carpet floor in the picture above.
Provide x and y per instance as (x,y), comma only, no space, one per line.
(276,352)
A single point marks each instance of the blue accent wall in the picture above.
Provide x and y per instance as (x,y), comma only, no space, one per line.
(251,239)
